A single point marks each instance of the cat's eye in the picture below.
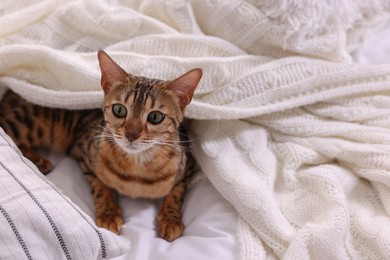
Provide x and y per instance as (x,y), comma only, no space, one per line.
(119,110)
(155,117)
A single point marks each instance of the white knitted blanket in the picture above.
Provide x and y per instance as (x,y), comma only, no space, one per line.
(288,130)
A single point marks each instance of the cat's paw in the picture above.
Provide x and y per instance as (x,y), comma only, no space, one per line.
(169,228)
(112,222)
(44,165)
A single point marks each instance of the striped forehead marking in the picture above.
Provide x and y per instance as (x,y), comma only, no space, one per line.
(141,92)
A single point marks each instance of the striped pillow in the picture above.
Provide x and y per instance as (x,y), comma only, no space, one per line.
(38,222)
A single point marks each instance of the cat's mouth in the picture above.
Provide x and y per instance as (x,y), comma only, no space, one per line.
(133,147)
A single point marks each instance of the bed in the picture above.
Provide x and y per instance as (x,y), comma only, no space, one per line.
(290,126)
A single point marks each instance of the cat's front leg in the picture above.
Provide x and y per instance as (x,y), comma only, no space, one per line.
(169,218)
(107,211)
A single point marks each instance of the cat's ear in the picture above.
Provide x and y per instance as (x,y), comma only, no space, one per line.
(112,73)
(184,86)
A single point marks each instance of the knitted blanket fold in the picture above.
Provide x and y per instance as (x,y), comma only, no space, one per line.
(286,127)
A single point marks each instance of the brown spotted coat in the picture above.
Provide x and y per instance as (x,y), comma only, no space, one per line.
(129,154)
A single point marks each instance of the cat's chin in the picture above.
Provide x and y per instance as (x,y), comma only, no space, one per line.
(132,148)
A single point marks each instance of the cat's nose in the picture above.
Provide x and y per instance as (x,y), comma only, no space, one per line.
(132,135)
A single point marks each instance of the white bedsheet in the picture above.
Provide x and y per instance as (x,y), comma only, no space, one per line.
(210,221)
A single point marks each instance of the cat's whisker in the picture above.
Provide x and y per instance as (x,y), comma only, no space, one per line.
(180,133)
(106,134)
(162,151)
(179,141)
(176,145)
(168,141)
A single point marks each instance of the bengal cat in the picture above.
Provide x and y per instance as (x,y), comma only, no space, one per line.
(135,144)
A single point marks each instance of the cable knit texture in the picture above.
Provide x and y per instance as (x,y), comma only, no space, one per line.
(286,127)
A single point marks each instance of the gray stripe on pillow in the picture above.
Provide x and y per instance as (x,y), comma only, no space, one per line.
(44,211)
(16,232)
(99,234)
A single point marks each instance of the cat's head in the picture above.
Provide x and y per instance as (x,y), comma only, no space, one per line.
(141,112)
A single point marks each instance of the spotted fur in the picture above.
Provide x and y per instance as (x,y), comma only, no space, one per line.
(131,154)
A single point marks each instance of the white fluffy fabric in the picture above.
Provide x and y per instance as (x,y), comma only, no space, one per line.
(287,129)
